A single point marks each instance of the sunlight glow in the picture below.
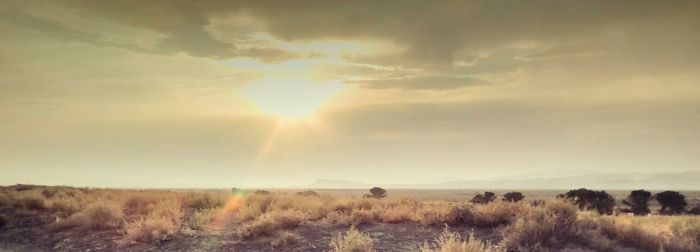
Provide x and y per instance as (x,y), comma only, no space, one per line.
(289,97)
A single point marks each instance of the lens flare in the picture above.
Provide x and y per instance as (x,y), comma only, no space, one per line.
(228,212)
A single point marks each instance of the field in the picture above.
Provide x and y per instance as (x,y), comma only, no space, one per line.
(37,218)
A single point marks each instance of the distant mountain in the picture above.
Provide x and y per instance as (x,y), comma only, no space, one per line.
(595,180)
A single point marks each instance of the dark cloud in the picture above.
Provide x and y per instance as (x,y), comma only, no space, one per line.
(432,33)
(183,33)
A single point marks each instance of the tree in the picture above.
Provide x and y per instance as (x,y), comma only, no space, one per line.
(586,199)
(513,196)
(672,202)
(376,192)
(484,198)
(638,201)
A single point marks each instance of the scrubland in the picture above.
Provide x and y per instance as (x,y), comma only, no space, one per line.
(70,219)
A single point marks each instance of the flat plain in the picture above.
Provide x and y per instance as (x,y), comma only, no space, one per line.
(38,218)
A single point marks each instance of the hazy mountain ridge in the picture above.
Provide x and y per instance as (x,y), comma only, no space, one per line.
(651,181)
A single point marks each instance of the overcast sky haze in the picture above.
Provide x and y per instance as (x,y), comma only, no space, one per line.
(276,93)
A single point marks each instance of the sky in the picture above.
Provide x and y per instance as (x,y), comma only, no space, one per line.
(277,93)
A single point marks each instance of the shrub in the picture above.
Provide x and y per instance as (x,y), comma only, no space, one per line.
(308,193)
(151,228)
(437,214)
(32,200)
(49,192)
(3,221)
(513,196)
(485,198)
(490,215)
(288,219)
(269,223)
(103,216)
(200,219)
(99,215)
(638,201)
(261,192)
(24,187)
(629,232)
(262,226)
(64,207)
(397,214)
(671,202)
(352,241)
(338,218)
(360,217)
(4,199)
(452,242)
(541,228)
(586,199)
(205,200)
(140,204)
(376,192)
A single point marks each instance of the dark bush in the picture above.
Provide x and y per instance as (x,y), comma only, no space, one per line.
(671,202)
(31,202)
(638,201)
(23,187)
(376,192)
(261,192)
(537,203)
(3,221)
(586,199)
(484,198)
(513,196)
(308,193)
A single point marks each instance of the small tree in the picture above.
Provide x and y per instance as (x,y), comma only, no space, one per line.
(376,192)
(513,196)
(638,201)
(586,199)
(672,202)
(484,198)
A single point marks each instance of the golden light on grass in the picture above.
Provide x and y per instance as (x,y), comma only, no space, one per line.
(225,213)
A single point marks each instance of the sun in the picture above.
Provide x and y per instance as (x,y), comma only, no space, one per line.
(289,98)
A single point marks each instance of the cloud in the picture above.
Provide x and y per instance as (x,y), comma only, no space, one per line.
(432,35)
(186,33)
(421,83)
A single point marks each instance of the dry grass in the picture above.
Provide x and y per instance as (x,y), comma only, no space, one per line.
(650,233)
(452,242)
(352,241)
(99,215)
(154,228)
(155,215)
(271,222)
(540,228)
(285,238)
(29,200)
(203,200)
(200,219)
